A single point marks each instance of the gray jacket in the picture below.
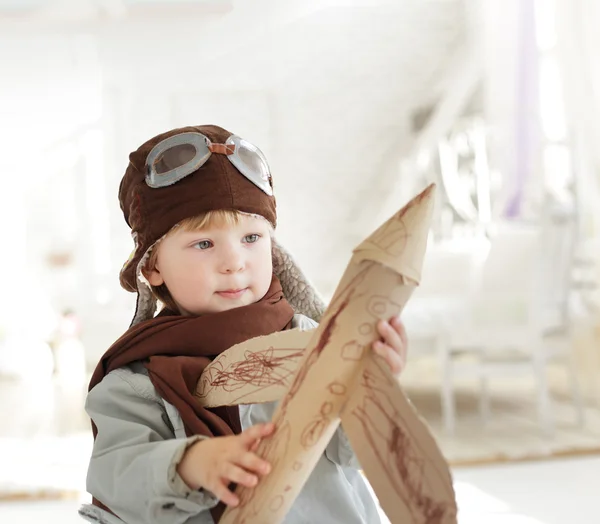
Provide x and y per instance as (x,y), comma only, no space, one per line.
(141,440)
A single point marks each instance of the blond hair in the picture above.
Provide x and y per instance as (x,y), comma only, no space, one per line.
(218,218)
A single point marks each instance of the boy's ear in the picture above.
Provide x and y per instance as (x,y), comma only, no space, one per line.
(153,276)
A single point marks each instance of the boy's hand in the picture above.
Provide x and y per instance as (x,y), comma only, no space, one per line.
(393,344)
(215,462)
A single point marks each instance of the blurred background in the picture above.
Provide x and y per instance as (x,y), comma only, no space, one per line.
(358,105)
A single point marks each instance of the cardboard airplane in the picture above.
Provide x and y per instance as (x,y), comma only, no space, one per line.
(329,375)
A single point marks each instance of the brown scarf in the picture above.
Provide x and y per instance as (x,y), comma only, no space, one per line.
(176,349)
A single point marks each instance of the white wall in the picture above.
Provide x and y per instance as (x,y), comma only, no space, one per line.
(327,90)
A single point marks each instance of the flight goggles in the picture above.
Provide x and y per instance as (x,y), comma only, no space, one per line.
(180,155)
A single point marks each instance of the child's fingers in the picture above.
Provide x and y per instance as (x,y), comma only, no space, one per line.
(394,360)
(390,336)
(398,325)
(254,433)
(253,463)
(255,445)
(240,476)
(223,493)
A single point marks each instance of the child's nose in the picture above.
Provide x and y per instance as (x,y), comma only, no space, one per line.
(232,261)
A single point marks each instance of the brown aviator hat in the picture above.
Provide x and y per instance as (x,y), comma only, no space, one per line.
(155,195)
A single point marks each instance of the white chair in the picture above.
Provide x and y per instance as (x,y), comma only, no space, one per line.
(504,325)
(448,280)
(451,273)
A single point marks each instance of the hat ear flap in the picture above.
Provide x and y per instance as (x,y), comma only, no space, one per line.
(298,291)
(145,305)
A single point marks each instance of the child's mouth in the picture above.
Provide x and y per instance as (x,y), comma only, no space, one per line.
(232,293)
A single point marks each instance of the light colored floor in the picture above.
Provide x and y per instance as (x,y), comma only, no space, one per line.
(562,491)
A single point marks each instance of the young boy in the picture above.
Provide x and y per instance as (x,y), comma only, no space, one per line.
(201,208)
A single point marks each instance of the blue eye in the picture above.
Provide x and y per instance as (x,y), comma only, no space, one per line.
(250,239)
(203,244)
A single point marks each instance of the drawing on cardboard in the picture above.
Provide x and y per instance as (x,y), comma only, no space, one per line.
(327,376)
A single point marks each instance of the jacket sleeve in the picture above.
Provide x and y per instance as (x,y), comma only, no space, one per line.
(135,455)
(340,451)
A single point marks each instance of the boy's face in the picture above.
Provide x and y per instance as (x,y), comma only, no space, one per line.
(216,268)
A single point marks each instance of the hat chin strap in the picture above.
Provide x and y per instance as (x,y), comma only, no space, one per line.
(298,291)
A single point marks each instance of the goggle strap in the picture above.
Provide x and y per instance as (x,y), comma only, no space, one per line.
(222,149)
